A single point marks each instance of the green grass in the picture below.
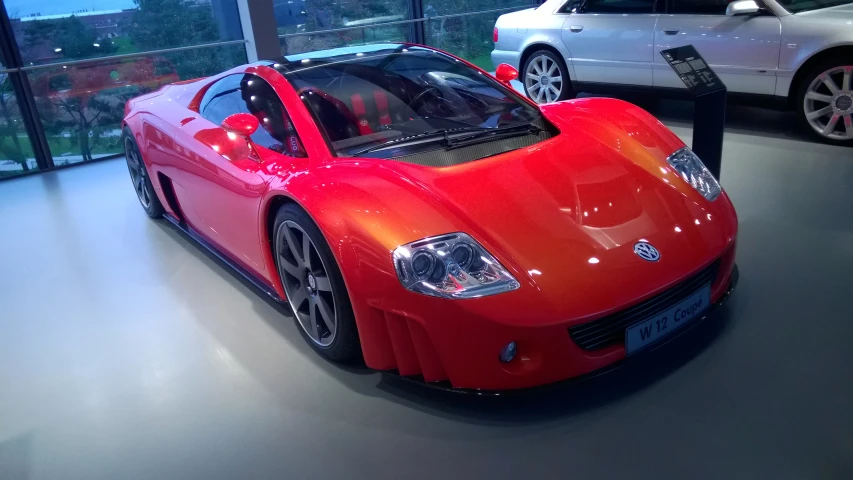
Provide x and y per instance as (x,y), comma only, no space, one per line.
(124,45)
(483,61)
(61,146)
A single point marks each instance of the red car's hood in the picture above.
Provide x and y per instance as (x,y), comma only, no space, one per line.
(564,214)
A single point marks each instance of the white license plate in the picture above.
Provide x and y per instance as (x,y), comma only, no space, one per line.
(649,331)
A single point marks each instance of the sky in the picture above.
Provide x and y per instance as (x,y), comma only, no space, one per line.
(22,8)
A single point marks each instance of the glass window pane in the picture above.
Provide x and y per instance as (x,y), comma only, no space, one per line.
(81,106)
(361,36)
(619,6)
(699,7)
(293,16)
(49,32)
(434,8)
(468,37)
(16,151)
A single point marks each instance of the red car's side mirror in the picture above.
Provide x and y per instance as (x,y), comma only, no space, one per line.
(506,73)
(242,124)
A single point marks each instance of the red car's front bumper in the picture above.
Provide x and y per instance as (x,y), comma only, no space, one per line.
(459,350)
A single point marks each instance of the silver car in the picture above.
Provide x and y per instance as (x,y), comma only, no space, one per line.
(795,54)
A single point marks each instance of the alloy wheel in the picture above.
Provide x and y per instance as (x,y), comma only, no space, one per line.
(828,103)
(543,79)
(137,172)
(306,283)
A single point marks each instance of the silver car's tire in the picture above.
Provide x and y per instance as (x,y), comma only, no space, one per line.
(546,78)
(825,101)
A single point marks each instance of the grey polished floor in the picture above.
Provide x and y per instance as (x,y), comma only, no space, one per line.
(128,353)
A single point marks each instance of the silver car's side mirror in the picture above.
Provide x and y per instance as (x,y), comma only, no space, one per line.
(742,7)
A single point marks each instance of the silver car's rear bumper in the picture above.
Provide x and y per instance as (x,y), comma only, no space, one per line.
(506,56)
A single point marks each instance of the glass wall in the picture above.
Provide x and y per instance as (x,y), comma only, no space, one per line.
(456,26)
(84,59)
(16,151)
(353,22)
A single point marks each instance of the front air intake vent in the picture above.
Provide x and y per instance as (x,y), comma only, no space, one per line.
(610,330)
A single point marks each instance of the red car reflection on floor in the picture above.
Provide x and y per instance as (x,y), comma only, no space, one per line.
(418,213)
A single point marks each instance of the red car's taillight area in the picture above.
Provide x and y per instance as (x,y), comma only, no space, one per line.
(495,35)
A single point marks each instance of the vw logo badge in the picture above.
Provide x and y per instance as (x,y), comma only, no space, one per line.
(646,251)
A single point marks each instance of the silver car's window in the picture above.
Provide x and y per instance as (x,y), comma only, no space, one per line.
(610,6)
(698,7)
(796,6)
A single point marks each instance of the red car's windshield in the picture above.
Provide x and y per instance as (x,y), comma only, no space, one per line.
(366,98)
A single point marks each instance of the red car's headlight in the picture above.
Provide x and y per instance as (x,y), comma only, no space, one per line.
(451,266)
(694,172)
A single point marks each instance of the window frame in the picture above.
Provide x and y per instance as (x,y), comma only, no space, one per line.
(658,7)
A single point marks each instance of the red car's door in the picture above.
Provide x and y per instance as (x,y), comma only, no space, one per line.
(222,185)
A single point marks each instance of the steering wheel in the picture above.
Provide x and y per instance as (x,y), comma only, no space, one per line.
(441,107)
(474,102)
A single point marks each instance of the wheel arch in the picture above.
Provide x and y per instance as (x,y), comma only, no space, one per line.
(367,211)
(838,51)
(540,45)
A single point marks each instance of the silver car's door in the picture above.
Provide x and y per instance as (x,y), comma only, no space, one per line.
(743,50)
(610,41)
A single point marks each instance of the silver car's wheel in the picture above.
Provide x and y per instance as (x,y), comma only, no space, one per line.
(828,103)
(544,78)
(306,282)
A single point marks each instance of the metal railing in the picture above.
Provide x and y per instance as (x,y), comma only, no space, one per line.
(122,56)
(425,18)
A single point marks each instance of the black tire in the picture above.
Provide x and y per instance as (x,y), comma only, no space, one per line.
(811,83)
(566,91)
(343,344)
(139,177)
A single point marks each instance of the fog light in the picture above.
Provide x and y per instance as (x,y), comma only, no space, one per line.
(507,353)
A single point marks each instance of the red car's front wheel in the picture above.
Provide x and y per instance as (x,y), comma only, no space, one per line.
(139,176)
(314,285)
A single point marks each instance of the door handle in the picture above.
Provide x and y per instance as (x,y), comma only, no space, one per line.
(671,32)
(576,28)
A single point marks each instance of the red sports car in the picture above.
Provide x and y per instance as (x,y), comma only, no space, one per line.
(418,213)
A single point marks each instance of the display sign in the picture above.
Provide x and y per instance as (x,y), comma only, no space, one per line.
(692,69)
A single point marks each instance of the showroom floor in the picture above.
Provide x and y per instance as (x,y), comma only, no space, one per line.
(126,352)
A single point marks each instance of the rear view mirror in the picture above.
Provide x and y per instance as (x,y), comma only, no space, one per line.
(742,7)
(506,73)
(242,124)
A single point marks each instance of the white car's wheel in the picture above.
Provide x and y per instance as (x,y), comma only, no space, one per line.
(546,78)
(825,102)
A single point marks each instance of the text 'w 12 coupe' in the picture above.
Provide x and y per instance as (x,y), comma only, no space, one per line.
(418,213)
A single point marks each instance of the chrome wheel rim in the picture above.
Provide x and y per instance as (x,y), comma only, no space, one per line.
(137,172)
(543,79)
(828,103)
(306,283)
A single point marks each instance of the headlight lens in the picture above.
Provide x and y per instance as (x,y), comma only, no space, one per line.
(694,172)
(451,266)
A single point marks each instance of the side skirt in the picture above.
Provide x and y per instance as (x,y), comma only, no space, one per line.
(772,102)
(249,276)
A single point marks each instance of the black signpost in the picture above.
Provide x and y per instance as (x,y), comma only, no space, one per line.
(709,94)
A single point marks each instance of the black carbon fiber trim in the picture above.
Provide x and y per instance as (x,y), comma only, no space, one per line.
(459,156)
(610,330)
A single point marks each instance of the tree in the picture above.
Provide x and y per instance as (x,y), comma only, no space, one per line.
(68,37)
(160,24)
(88,117)
(10,124)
